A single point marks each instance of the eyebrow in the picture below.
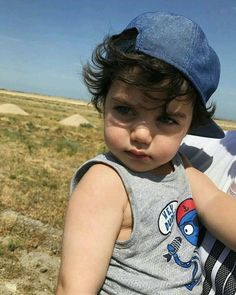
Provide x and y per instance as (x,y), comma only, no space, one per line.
(122,100)
(119,98)
(177,115)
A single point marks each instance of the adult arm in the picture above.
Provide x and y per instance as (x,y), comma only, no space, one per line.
(92,224)
(216,209)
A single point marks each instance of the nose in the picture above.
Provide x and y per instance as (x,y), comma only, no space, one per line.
(141,133)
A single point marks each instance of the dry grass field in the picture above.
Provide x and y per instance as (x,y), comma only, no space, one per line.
(38,157)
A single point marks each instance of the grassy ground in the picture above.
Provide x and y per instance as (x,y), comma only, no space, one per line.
(38,157)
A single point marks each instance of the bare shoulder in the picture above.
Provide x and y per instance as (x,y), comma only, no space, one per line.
(101,182)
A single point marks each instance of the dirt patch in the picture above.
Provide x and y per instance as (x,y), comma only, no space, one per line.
(9,108)
(33,269)
(74,120)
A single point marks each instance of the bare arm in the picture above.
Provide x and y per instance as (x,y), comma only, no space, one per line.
(93,221)
(216,209)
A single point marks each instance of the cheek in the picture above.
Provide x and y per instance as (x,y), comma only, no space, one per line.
(167,147)
(171,149)
(115,133)
(114,137)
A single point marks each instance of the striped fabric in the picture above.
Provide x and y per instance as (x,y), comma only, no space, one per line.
(216,158)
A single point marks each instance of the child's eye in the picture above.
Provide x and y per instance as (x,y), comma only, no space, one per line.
(123,110)
(167,120)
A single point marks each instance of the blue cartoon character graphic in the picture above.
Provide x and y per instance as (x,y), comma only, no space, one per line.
(186,217)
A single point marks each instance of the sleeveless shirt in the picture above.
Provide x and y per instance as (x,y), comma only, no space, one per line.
(160,257)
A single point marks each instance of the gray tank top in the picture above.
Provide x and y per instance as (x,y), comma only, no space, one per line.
(160,256)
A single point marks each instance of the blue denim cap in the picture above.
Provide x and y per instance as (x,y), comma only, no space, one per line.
(181,43)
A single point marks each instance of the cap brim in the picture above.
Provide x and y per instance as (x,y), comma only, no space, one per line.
(211,130)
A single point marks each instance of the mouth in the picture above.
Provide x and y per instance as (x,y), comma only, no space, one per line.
(138,155)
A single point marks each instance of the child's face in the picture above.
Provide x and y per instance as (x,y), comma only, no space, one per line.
(137,132)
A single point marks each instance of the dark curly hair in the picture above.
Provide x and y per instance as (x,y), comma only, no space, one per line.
(116,59)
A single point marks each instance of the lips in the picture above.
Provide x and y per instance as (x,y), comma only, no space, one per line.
(138,154)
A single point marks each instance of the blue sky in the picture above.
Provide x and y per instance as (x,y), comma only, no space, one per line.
(43,43)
